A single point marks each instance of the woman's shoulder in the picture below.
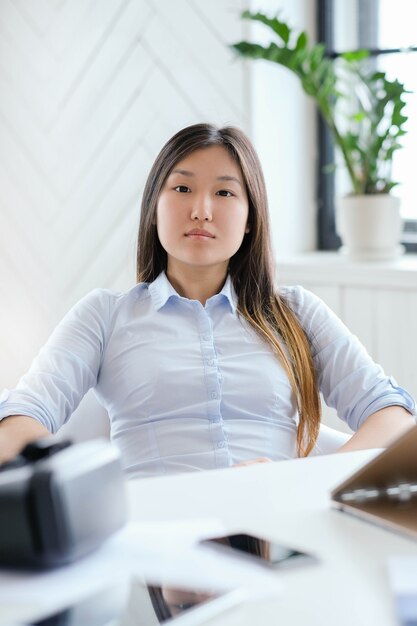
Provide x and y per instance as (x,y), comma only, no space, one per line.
(102,294)
(105,302)
(298,297)
(309,308)
(315,316)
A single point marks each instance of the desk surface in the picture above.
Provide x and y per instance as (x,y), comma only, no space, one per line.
(289,502)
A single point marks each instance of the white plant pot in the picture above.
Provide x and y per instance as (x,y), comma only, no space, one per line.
(370,227)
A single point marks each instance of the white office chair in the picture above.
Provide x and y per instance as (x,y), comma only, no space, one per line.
(329,440)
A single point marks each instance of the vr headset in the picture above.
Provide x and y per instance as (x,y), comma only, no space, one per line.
(59,501)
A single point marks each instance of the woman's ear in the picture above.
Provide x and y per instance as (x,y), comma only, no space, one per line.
(247,229)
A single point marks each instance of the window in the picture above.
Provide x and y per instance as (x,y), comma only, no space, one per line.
(387,30)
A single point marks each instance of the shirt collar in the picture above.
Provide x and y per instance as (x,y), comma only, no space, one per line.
(161,291)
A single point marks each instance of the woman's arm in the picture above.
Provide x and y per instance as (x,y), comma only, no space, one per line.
(65,369)
(15,432)
(373,405)
(380,429)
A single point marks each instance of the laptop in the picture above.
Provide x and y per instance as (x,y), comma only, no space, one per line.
(384,491)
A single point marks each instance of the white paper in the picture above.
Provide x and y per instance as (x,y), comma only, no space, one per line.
(403,574)
(158,552)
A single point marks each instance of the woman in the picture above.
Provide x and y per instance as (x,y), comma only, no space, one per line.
(204,364)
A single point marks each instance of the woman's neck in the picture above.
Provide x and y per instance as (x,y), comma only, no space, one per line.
(195,284)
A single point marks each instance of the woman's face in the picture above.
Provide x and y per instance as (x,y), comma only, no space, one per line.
(202,211)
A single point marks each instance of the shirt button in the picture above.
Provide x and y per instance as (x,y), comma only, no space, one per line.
(206,337)
(210,362)
(221,444)
(213,395)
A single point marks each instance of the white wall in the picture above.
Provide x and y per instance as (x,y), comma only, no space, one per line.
(284,131)
(90,90)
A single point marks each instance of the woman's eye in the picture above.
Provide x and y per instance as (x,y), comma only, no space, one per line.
(225,193)
(182,189)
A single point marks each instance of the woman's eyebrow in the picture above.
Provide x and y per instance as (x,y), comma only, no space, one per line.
(236,180)
(182,172)
(191,174)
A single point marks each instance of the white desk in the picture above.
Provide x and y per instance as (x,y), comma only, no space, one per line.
(289,501)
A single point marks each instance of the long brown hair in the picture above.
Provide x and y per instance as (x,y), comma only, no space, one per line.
(251,268)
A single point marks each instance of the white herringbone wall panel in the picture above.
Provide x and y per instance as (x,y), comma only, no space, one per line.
(89,92)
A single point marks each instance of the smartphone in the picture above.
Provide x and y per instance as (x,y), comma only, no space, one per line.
(260,550)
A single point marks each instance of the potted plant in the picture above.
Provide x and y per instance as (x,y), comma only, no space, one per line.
(364,112)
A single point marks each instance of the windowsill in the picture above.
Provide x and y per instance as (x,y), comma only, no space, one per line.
(331,268)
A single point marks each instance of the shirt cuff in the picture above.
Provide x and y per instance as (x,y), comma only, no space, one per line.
(397,396)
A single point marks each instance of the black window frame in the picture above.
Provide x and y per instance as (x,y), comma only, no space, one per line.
(327,238)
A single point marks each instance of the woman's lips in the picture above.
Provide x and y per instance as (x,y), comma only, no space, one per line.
(197,233)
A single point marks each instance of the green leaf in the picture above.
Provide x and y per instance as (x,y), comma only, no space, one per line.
(326,87)
(389,153)
(301,41)
(355,55)
(280,28)
(390,185)
(308,86)
(316,56)
(367,129)
(398,119)
(250,50)
(377,76)
(359,117)
(284,57)
(351,141)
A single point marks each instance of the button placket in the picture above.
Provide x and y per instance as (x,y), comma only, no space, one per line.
(213,380)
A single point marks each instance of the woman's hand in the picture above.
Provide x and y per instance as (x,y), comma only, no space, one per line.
(15,432)
(262,459)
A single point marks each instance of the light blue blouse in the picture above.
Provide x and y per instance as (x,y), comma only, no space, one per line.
(188,386)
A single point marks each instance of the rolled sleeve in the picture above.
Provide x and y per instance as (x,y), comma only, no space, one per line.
(349,380)
(391,395)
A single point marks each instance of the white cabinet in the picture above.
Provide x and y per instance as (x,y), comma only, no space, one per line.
(377,301)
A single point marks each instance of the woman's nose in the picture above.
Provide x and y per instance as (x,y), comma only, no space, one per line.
(201,209)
